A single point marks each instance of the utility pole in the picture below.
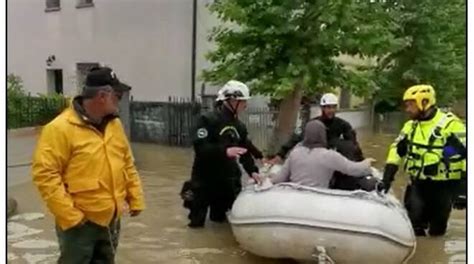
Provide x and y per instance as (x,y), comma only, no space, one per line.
(193,58)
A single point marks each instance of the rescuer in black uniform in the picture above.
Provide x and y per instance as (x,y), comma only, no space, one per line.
(221,146)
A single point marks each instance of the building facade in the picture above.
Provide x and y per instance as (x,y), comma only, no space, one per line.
(51,44)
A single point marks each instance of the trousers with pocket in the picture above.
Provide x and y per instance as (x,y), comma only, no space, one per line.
(219,198)
(88,243)
(429,205)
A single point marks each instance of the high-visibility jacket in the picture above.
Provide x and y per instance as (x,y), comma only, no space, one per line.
(425,143)
(84,174)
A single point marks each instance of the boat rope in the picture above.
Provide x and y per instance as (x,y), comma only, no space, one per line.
(322,257)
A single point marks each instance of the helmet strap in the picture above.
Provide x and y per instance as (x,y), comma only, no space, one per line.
(236,107)
(231,108)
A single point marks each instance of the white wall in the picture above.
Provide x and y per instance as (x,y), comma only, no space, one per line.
(205,22)
(147,42)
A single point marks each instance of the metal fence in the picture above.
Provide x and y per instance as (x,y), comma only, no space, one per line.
(260,123)
(28,111)
(169,123)
(172,122)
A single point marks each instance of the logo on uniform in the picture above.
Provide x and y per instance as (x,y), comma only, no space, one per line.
(202,133)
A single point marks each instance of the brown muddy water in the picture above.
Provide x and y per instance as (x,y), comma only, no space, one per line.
(160,234)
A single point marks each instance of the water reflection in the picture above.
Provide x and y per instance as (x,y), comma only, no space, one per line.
(164,237)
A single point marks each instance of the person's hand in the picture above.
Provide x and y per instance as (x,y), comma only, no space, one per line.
(235,152)
(370,161)
(134,213)
(257,177)
(382,187)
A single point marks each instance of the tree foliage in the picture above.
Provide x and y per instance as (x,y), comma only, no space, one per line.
(277,45)
(435,52)
(15,86)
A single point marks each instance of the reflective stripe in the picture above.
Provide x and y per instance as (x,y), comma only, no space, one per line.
(422,146)
(229,128)
(436,131)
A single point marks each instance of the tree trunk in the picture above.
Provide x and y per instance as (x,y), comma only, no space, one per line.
(287,115)
(345,100)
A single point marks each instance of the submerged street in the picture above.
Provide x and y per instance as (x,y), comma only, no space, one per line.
(160,235)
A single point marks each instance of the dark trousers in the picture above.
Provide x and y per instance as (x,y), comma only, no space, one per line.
(217,198)
(88,243)
(429,205)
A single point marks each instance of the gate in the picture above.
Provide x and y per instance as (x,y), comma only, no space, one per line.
(170,123)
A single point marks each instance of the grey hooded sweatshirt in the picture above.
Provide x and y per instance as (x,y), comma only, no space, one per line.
(312,164)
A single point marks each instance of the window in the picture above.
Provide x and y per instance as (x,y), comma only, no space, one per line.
(55,81)
(53,5)
(82,69)
(84,3)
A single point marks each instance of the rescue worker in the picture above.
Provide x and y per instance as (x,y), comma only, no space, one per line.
(432,147)
(84,170)
(337,128)
(220,144)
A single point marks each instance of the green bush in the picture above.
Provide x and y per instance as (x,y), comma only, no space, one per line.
(24,110)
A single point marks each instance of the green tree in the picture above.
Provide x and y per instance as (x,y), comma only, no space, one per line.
(435,52)
(15,86)
(287,48)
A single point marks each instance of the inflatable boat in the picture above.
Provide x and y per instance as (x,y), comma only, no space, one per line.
(290,221)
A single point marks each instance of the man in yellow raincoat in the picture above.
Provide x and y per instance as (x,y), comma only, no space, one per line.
(84,170)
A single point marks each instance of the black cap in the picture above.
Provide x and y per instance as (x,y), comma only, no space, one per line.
(103,76)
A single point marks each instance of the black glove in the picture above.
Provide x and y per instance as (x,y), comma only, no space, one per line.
(402,147)
(380,187)
(388,176)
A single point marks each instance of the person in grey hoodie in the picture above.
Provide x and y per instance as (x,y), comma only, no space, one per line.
(311,164)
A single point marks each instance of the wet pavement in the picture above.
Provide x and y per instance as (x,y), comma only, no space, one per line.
(20,151)
(160,235)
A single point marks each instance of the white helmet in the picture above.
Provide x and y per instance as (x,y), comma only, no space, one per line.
(233,89)
(329,99)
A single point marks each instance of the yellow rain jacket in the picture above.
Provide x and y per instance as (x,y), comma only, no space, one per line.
(426,140)
(84,174)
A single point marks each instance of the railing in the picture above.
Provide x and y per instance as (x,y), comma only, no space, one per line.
(28,111)
(169,123)
(172,122)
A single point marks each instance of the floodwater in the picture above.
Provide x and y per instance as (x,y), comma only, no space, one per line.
(160,234)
